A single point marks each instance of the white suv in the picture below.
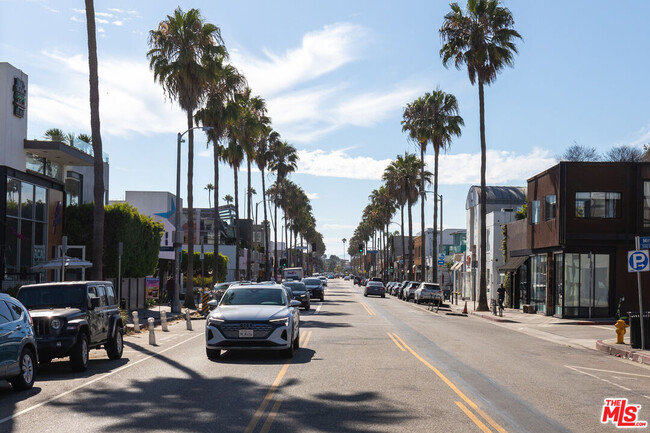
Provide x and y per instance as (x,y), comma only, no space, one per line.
(429,292)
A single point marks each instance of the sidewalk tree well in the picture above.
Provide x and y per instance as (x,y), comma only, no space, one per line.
(208,260)
(139,233)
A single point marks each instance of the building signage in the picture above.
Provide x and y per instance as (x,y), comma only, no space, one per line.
(20,97)
(644,242)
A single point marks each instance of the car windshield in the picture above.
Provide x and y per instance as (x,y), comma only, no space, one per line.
(311,282)
(253,296)
(52,297)
(295,286)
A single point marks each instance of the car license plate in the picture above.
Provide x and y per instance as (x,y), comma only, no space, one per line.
(246,333)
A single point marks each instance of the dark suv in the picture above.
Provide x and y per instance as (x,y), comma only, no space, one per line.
(71,318)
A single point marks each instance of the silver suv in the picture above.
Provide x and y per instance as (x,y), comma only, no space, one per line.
(428,292)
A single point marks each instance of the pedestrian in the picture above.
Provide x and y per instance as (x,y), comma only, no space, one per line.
(170,286)
(501,293)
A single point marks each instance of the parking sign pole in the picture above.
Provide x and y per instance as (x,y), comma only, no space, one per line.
(638,282)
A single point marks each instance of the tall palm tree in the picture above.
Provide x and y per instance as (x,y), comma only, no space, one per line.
(209,188)
(54,134)
(218,112)
(228,198)
(234,156)
(284,160)
(179,55)
(98,160)
(263,159)
(483,39)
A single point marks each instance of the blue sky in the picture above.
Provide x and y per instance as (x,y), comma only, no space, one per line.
(336,76)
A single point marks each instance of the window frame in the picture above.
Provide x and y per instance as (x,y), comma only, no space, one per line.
(550,208)
(613,200)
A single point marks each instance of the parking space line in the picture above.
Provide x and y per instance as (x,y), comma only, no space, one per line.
(368,309)
(318,308)
(473,417)
(396,342)
(454,388)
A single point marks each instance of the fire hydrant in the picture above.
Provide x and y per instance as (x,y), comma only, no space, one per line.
(620,330)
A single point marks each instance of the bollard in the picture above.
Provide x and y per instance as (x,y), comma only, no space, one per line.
(152,334)
(204,303)
(188,320)
(163,321)
(136,322)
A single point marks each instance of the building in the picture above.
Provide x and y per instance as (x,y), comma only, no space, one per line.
(38,180)
(499,198)
(569,257)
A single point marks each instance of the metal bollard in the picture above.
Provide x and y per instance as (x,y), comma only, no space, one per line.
(188,320)
(136,322)
(152,334)
(163,321)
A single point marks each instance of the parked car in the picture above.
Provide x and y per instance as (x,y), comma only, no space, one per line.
(18,354)
(428,292)
(315,288)
(299,292)
(70,318)
(323,279)
(375,288)
(253,317)
(357,281)
(346,278)
(408,292)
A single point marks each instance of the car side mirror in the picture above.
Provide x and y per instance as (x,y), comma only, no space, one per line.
(94,302)
(213,304)
(294,303)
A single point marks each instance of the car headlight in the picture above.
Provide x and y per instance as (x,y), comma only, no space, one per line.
(56,324)
(215,321)
(283,321)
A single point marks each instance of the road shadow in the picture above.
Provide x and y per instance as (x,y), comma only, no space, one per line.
(60,369)
(264,357)
(322,325)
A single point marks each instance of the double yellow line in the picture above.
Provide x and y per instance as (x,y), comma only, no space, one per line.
(368,309)
(304,339)
(480,424)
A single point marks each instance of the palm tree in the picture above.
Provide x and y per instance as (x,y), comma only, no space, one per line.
(228,198)
(263,159)
(234,156)
(483,39)
(54,134)
(218,113)
(98,160)
(209,188)
(181,49)
(85,138)
(284,160)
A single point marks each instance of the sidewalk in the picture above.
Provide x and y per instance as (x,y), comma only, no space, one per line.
(156,310)
(595,334)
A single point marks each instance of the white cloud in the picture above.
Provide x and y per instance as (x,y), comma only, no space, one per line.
(312,196)
(101,21)
(118,23)
(458,169)
(321,52)
(76,20)
(103,14)
(101,30)
(338,227)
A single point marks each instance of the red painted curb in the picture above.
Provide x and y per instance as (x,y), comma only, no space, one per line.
(623,352)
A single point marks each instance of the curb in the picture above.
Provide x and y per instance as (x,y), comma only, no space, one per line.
(621,352)
(492,317)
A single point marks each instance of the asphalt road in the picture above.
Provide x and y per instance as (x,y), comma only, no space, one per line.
(366,364)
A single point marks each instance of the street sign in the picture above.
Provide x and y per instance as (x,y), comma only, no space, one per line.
(441,262)
(441,256)
(644,242)
(638,261)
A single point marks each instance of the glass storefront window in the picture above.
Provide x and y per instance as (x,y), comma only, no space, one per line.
(13,196)
(586,285)
(73,189)
(27,200)
(538,282)
(40,198)
(11,250)
(601,281)
(26,253)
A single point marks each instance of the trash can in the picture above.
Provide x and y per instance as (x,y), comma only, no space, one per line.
(124,302)
(635,330)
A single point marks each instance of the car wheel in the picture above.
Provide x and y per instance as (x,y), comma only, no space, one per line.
(115,346)
(79,353)
(288,352)
(383,296)
(213,354)
(296,342)
(308,307)
(365,294)
(25,379)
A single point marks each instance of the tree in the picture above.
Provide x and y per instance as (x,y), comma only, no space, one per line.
(98,159)
(209,188)
(54,134)
(483,39)
(625,154)
(577,153)
(234,155)
(85,138)
(263,159)
(181,49)
(228,198)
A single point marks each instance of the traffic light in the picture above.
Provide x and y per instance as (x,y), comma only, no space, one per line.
(391,266)
(283,263)
(361,248)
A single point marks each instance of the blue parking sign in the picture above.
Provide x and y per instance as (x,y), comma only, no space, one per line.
(638,261)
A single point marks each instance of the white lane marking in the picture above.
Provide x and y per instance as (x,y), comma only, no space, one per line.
(608,371)
(596,377)
(609,328)
(83,385)
(317,310)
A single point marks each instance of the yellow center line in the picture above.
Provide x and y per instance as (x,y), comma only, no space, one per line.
(473,417)
(370,312)
(269,396)
(453,387)
(272,414)
(396,342)
(307,337)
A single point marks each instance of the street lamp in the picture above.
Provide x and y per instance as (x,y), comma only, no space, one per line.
(178,234)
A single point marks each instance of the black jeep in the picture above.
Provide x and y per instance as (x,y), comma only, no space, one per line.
(71,318)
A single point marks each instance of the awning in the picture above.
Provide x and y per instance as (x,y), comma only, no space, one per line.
(457,266)
(513,263)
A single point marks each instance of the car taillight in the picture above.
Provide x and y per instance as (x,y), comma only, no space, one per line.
(31,322)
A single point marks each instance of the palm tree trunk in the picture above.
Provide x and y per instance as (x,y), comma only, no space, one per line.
(237,276)
(266,231)
(189,286)
(98,161)
(410,242)
(216,216)
(249,239)
(423,253)
(275,261)
(434,257)
(482,299)
(403,274)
